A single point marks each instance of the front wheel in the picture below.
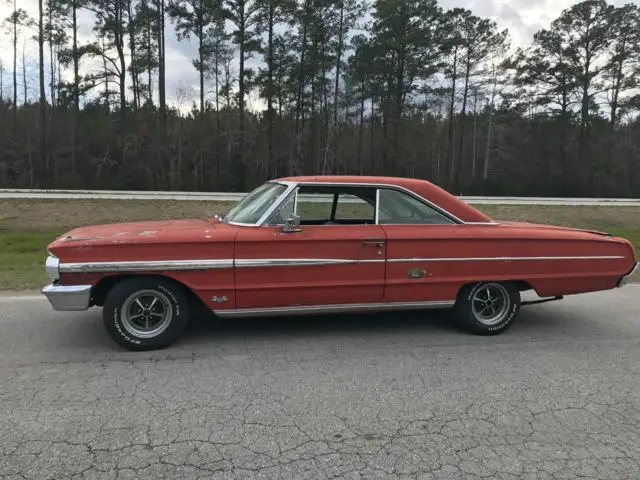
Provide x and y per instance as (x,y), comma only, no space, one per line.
(487,308)
(145,313)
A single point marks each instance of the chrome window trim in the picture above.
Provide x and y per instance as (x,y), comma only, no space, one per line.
(294,192)
(291,186)
(338,308)
(415,196)
(271,209)
(377,186)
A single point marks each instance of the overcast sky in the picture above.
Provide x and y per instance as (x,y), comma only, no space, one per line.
(521,17)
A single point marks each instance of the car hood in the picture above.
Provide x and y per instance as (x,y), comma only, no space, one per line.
(132,231)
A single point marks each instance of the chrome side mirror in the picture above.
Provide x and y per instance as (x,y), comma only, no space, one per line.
(292,224)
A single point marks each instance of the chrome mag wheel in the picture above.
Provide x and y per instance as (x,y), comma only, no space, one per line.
(146,313)
(490,304)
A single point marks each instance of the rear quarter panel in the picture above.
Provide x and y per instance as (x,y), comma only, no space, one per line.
(553,262)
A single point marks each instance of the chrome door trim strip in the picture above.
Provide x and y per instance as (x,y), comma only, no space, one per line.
(340,308)
(160,265)
(175,265)
(298,262)
(501,259)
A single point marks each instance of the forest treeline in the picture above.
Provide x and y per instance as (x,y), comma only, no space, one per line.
(390,87)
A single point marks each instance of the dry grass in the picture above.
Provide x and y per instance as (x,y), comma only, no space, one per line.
(37,215)
(27,226)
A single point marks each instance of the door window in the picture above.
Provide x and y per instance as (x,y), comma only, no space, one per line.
(329,205)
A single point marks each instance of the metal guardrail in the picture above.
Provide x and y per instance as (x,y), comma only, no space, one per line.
(235,196)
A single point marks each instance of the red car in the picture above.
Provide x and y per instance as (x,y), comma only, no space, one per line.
(326,244)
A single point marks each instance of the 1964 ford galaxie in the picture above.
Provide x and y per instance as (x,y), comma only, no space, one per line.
(326,244)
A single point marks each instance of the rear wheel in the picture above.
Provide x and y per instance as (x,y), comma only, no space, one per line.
(145,313)
(487,308)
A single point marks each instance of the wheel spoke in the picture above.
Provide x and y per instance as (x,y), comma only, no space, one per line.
(138,317)
(490,304)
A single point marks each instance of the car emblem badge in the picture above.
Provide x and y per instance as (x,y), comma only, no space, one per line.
(219,299)
(416,273)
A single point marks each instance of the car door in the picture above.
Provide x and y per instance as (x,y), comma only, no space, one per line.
(330,260)
(417,234)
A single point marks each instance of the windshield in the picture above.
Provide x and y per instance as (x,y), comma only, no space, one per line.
(252,207)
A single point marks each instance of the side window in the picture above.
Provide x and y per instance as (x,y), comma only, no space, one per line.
(314,208)
(350,207)
(399,208)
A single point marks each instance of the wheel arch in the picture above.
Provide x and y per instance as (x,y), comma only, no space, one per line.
(521,285)
(101,289)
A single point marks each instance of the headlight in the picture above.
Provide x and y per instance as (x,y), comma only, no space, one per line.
(52,264)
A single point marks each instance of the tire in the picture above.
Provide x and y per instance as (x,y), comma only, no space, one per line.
(130,321)
(472,317)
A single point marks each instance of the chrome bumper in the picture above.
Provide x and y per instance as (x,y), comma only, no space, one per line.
(69,297)
(627,278)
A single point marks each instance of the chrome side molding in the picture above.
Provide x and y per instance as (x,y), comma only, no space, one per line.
(54,266)
(339,308)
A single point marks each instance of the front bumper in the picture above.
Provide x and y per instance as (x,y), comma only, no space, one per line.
(69,297)
(627,278)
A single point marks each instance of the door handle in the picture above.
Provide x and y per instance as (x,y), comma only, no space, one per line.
(373,243)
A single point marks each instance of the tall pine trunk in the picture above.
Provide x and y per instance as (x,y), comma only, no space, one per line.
(43,95)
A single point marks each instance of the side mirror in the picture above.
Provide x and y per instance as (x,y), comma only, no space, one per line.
(292,224)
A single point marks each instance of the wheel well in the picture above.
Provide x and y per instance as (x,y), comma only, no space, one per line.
(521,285)
(103,287)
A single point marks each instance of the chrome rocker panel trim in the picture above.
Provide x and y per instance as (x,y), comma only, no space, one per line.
(627,278)
(66,298)
(326,309)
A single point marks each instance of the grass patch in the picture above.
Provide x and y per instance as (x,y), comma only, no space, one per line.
(27,226)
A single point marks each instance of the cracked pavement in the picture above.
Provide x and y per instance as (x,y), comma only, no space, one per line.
(400,395)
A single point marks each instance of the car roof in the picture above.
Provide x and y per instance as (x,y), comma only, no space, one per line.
(423,188)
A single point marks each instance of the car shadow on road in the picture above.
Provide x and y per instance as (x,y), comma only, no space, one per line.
(534,323)
(208,326)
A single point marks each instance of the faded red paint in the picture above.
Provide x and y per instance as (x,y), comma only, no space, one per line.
(367,282)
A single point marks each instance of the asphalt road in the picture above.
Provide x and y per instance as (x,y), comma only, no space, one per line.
(375,397)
